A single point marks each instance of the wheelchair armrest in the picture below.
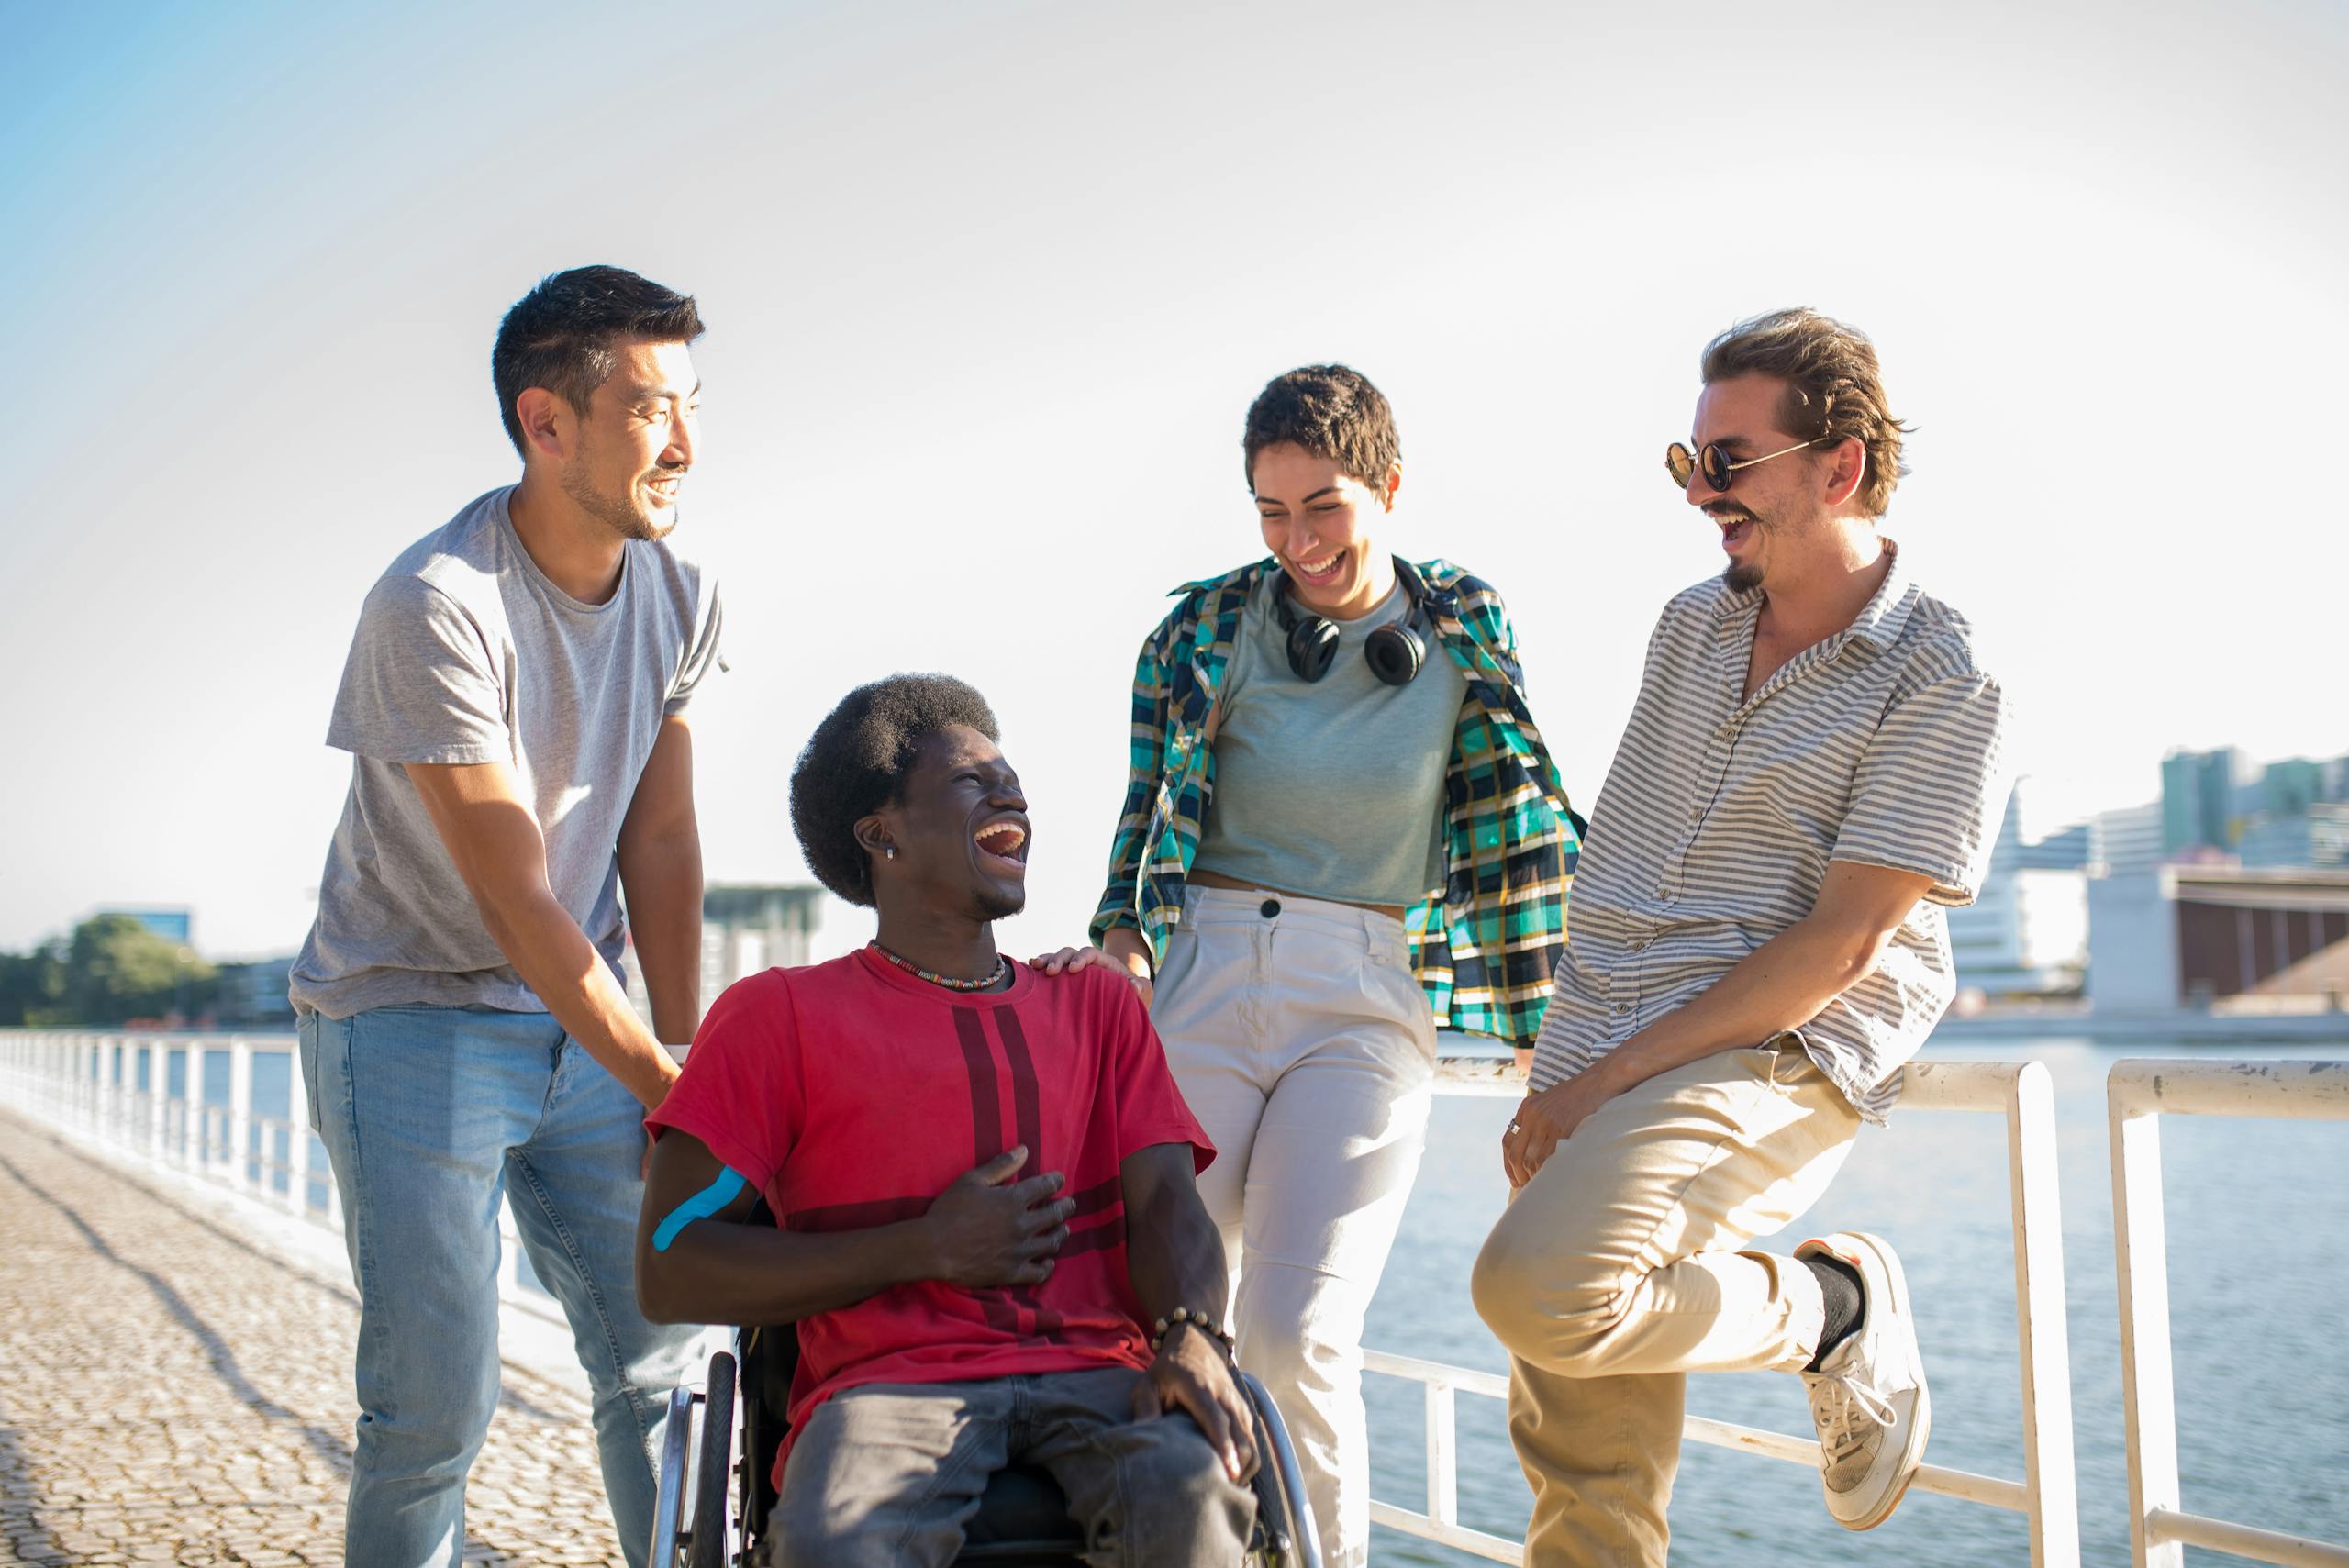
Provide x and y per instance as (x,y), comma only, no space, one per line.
(668,1500)
(1281,1504)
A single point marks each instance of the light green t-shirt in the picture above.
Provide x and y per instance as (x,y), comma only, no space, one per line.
(1332,789)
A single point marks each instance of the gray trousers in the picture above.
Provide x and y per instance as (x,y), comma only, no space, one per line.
(887,1475)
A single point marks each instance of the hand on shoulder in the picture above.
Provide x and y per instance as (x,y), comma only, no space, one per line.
(1077,961)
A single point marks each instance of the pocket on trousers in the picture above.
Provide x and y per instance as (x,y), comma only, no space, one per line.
(1785,1067)
(1393,995)
(306,1049)
(1168,981)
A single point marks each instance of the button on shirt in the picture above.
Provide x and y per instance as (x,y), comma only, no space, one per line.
(1879,746)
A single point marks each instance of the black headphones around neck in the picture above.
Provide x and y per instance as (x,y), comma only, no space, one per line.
(1393,652)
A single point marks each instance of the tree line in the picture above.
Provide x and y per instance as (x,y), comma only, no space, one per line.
(112,970)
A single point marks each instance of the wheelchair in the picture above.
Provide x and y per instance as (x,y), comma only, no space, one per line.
(1022,1522)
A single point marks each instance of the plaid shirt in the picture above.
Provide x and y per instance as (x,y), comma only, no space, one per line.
(1485,949)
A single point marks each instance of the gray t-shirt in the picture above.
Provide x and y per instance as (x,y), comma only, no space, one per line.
(1334,788)
(465,652)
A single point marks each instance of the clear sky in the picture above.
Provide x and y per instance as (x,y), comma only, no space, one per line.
(990,287)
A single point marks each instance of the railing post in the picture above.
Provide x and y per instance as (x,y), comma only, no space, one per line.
(198,1122)
(101,1091)
(1443,1459)
(159,1097)
(2148,1400)
(119,1089)
(2040,1322)
(240,1112)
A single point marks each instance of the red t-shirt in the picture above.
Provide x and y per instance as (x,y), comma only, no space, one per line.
(851,1094)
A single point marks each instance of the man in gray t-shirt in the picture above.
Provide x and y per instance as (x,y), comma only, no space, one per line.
(514,703)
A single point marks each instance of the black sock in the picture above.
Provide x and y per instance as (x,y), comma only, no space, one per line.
(1840,1293)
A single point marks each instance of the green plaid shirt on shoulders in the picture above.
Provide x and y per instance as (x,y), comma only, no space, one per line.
(1485,947)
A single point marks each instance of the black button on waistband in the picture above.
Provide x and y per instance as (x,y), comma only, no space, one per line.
(1271,908)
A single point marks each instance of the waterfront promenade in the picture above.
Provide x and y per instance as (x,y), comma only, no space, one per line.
(175,1387)
(176,1323)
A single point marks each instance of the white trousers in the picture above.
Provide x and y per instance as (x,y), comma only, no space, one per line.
(1304,1045)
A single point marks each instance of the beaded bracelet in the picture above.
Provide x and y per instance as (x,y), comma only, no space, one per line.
(1199,1320)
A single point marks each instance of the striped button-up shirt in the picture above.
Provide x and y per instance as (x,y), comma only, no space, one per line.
(1713,833)
(1485,946)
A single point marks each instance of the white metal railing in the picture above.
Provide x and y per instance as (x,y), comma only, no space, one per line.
(112,1091)
(2046,1497)
(88,1086)
(2138,1094)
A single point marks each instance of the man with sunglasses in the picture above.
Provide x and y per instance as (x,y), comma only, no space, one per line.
(1808,779)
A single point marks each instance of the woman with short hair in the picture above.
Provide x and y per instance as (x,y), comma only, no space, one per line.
(1341,829)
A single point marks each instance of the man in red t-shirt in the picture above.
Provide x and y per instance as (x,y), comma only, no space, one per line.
(983,1180)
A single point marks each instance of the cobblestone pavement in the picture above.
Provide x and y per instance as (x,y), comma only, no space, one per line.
(171,1392)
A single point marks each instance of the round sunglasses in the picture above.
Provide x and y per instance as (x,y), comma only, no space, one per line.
(1714,464)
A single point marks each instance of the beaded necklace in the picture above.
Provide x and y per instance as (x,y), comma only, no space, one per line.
(1002,968)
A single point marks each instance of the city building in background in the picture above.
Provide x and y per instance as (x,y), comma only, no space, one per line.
(2126,840)
(2299,784)
(2287,815)
(2228,892)
(745,927)
(2232,890)
(2191,936)
(175,924)
(2026,935)
(2316,836)
(251,995)
(2198,799)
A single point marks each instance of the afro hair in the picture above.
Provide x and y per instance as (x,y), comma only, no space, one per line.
(855,763)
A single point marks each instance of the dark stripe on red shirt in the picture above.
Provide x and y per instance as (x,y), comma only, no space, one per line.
(1098,1197)
(857,1215)
(986,1141)
(1099,1239)
(1029,1118)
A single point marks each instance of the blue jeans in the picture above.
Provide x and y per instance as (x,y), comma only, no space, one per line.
(429,1115)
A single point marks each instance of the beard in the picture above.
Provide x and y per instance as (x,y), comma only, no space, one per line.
(619,514)
(1740,576)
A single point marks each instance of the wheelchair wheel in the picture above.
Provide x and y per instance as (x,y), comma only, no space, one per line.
(709,1540)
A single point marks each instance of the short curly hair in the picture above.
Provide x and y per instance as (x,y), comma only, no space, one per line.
(1834,391)
(855,763)
(1331,411)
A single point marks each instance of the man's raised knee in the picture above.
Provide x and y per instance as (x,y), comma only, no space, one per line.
(1546,1306)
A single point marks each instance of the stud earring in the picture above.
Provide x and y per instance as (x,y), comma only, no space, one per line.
(890,851)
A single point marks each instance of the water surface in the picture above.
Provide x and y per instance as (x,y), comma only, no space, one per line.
(2258,1215)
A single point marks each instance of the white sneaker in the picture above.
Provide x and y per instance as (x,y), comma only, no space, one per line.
(1868,1398)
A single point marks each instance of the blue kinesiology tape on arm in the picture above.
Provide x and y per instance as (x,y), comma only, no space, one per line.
(701,1206)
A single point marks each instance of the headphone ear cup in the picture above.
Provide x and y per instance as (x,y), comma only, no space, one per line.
(1395,654)
(1312,647)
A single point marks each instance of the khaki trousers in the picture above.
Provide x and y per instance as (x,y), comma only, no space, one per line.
(1614,1273)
